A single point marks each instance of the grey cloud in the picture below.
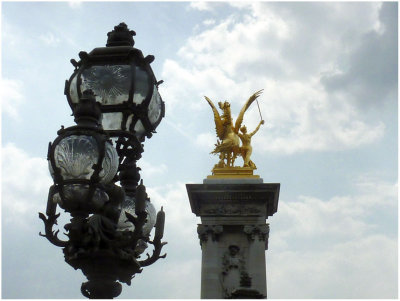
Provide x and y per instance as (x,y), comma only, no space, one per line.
(319,32)
(371,74)
(287,48)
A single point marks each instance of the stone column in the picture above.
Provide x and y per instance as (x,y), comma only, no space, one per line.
(233,235)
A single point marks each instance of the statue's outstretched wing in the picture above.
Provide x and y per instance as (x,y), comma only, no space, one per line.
(219,127)
(245,107)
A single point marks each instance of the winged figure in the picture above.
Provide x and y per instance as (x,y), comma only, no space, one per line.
(228,143)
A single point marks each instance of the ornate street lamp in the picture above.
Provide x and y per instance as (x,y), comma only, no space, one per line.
(113,94)
(127,90)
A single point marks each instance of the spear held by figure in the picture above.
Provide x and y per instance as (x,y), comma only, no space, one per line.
(246,148)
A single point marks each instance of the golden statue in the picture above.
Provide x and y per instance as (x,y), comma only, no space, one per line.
(228,143)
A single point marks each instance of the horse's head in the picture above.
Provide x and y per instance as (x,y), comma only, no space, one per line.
(225,107)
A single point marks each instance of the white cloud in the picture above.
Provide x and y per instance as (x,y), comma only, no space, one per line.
(209,22)
(173,197)
(11,35)
(11,96)
(317,246)
(369,74)
(364,268)
(75,4)
(50,39)
(201,5)
(206,141)
(370,186)
(25,183)
(237,56)
(302,117)
(312,217)
(149,170)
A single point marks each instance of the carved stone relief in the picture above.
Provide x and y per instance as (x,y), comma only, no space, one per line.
(260,231)
(233,270)
(204,231)
(231,209)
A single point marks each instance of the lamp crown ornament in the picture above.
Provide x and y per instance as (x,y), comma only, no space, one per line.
(114,97)
(121,36)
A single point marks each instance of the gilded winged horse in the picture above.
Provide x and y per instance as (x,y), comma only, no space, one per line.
(228,143)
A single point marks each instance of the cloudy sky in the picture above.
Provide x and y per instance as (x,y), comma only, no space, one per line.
(329,74)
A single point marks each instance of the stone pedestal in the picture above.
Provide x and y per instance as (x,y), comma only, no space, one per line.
(233,235)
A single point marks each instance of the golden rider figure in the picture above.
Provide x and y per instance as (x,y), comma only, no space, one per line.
(246,148)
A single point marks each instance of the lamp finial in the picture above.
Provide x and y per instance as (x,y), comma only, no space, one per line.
(121,36)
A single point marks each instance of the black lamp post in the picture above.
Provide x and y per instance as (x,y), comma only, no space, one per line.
(114,97)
